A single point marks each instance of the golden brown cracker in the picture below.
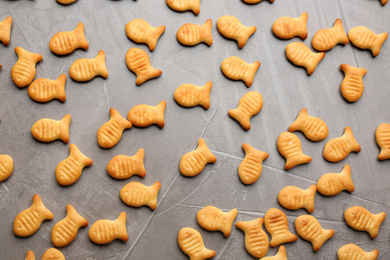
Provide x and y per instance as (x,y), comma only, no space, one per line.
(331,184)
(185,5)
(123,167)
(191,243)
(29,220)
(192,34)
(213,219)
(352,86)
(256,240)
(326,39)
(313,128)
(337,149)
(364,38)
(146,115)
(230,27)
(53,254)
(6,166)
(140,31)
(135,194)
(362,220)
(110,133)
(294,198)
(5,30)
(382,136)
(189,95)
(251,167)
(44,90)
(288,27)
(250,105)
(235,68)
(66,42)
(86,69)
(23,72)
(105,231)
(276,224)
(300,55)
(48,130)
(290,147)
(354,252)
(138,62)
(310,229)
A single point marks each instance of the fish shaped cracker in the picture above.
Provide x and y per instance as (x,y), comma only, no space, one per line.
(251,167)
(290,147)
(66,42)
(281,255)
(185,5)
(5,30)
(6,166)
(288,27)
(44,90)
(192,34)
(331,184)
(53,254)
(86,69)
(300,55)
(69,170)
(123,167)
(140,31)
(354,252)
(214,219)
(105,231)
(48,130)
(235,68)
(362,220)
(313,128)
(110,133)
(145,115)
(294,198)
(364,38)
(23,72)
(250,105)
(382,136)
(256,240)
(138,62)
(230,27)
(29,220)
(337,149)
(326,39)
(352,86)
(276,224)
(191,243)
(136,194)
(189,95)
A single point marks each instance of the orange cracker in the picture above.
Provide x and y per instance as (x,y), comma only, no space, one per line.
(326,39)
(237,69)
(191,243)
(69,170)
(337,149)
(29,220)
(193,163)
(86,69)
(192,34)
(105,231)
(256,240)
(6,166)
(310,229)
(110,133)
(352,86)
(123,167)
(138,61)
(276,224)
(362,220)
(288,27)
(382,135)
(188,95)
(48,130)
(140,31)
(65,231)
(313,128)
(184,5)
(213,219)
(63,43)
(45,90)
(250,105)
(23,72)
(294,198)
(5,30)
(53,253)
(331,184)
(145,115)
(251,167)
(300,55)
(290,147)
(351,251)
(281,255)
(135,194)
(364,38)
(230,27)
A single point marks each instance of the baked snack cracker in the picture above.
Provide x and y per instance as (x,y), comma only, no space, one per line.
(65,231)
(250,105)
(331,184)
(5,30)
(382,135)
(66,2)
(193,163)
(230,27)
(6,166)
(191,243)
(337,149)
(384,2)
(276,224)
(184,5)
(140,31)
(288,27)
(135,194)
(188,95)
(352,86)
(313,128)
(48,130)
(123,167)
(110,133)
(310,229)
(86,69)
(300,55)
(294,198)
(251,167)
(29,220)
(256,240)
(192,34)
(364,38)
(326,39)
(105,231)
(235,68)
(63,43)
(30,255)
(69,170)
(290,147)
(138,61)
(213,219)
(281,255)
(45,90)
(53,254)
(145,115)
(23,72)
(362,220)
(354,252)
